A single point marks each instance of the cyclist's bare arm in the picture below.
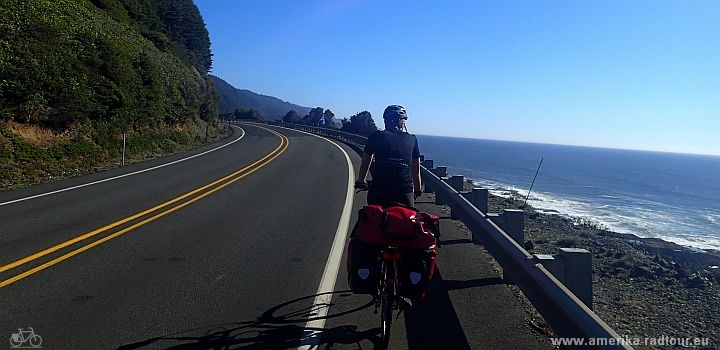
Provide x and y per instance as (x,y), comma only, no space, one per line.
(364,166)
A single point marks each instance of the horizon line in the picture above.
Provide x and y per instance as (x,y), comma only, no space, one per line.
(619,148)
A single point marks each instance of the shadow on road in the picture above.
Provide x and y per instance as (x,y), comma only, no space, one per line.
(480,282)
(280,327)
(433,323)
(456,241)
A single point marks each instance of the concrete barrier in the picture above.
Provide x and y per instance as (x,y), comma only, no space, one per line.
(573,267)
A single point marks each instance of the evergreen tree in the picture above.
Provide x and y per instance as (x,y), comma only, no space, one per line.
(345,124)
(314,117)
(360,123)
(292,117)
(327,119)
(247,114)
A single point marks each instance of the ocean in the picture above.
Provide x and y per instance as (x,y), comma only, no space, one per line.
(650,194)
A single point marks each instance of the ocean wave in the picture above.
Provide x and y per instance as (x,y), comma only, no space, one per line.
(641,217)
(712,218)
(703,242)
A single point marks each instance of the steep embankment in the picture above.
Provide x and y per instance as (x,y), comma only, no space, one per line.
(77,74)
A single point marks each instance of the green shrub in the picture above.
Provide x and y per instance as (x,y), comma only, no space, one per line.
(66,61)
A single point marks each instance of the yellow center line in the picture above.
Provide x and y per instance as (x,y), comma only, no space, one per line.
(130,218)
(284,142)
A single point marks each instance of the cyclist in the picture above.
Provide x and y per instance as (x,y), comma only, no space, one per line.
(396,173)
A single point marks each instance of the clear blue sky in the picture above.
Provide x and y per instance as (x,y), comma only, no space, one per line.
(640,74)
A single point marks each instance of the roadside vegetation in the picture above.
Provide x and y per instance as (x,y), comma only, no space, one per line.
(76,75)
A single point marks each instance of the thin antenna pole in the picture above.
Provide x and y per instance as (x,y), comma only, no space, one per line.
(533,181)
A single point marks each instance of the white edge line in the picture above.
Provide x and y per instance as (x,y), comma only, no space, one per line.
(332,266)
(124,175)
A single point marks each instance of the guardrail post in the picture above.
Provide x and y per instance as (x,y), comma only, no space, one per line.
(440,172)
(572,267)
(428,164)
(479,198)
(578,273)
(554,264)
(457,183)
(498,220)
(513,223)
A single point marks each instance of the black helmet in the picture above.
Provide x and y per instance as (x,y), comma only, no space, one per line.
(394,113)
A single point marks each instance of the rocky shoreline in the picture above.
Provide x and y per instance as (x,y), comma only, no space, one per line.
(642,287)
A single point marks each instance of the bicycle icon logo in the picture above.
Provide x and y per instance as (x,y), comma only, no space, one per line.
(24,339)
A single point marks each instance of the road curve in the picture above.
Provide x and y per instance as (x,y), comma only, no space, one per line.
(228,246)
(225,248)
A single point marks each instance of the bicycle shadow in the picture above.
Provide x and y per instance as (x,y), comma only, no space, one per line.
(280,327)
(433,322)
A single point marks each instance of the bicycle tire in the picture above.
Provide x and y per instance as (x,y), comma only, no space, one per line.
(14,343)
(35,341)
(386,303)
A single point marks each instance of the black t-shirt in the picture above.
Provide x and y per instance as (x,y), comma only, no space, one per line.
(394,153)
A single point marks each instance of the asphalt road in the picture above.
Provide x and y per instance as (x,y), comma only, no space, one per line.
(210,271)
(227,249)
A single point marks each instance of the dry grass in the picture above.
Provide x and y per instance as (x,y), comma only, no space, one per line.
(31,154)
(39,136)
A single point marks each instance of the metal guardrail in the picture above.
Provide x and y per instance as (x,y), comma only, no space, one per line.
(344,136)
(562,310)
(337,134)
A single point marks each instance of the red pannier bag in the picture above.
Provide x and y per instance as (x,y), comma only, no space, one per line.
(415,272)
(362,267)
(396,226)
(414,232)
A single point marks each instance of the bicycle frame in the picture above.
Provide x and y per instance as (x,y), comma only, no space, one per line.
(387,291)
(24,334)
(388,270)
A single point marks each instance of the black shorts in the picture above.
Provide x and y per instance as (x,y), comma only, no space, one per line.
(385,198)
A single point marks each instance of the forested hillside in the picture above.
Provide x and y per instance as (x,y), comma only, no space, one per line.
(76,74)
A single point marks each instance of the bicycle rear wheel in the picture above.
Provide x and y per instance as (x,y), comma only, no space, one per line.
(386,311)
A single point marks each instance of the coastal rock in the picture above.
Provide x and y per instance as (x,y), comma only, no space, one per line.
(642,287)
